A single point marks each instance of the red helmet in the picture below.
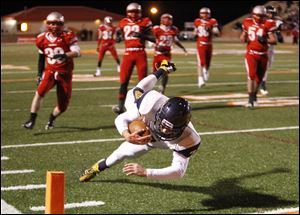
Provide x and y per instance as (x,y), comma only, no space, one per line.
(55,23)
(204,13)
(134,11)
(259,13)
(108,20)
(166,19)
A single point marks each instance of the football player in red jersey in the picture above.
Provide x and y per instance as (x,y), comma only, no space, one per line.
(166,35)
(135,30)
(258,33)
(58,47)
(205,28)
(106,42)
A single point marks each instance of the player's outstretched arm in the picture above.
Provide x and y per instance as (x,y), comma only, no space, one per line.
(150,81)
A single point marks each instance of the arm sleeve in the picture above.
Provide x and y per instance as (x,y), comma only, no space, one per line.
(123,119)
(147,83)
(175,171)
(41,64)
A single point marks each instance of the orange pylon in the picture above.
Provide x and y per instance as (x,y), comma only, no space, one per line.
(55,193)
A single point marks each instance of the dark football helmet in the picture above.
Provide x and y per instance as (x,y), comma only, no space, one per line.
(271,11)
(172,118)
(55,23)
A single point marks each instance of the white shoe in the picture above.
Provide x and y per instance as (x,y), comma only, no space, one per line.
(205,75)
(201,82)
(98,72)
(264,92)
(118,68)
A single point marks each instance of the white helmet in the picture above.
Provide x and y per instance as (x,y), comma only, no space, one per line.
(166,19)
(204,13)
(55,17)
(258,13)
(108,20)
(55,23)
(134,11)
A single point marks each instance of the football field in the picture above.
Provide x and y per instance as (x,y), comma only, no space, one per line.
(248,161)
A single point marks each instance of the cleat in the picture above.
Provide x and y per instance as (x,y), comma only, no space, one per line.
(98,73)
(90,173)
(201,82)
(29,124)
(264,92)
(205,75)
(251,105)
(50,125)
(117,110)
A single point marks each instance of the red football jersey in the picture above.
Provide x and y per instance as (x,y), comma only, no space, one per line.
(128,27)
(49,46)
(204,28)
(165,37)
(254,30)
(106,35)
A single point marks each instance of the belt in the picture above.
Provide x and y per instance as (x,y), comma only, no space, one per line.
(134,49)
(256,52)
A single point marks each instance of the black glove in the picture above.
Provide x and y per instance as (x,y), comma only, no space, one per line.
(208,29)
(60,56)
(38,81)
(262,39)
(137,34)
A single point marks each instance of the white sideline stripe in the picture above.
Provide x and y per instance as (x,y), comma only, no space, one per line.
(72,205)
(171,85)
(4,158)
(7,172)
(280,211)
(192,102)
(120,139)
(24,187)
(8,209)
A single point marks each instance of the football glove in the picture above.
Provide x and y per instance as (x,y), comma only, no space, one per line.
(262,39)
(166,66)
(60,56)
(38,80)
(137,34)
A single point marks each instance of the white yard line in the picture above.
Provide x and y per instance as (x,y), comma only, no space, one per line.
(24,187)
(8,172)
(4,158)
(170,85)
(121,139)
(281,211)
(72,205)
(8,209)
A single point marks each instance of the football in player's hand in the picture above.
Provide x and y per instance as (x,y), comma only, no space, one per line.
(138,125)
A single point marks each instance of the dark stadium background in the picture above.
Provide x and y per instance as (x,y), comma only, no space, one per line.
(182,11)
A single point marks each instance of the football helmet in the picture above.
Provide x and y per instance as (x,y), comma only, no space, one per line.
(166,19)
(108,20)
(134,11)
(271,11)
(259,13)
(204,13)
(172,118)
(55,23)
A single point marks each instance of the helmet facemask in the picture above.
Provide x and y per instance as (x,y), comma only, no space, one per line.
(171,119)
(166,20)
(55,23)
